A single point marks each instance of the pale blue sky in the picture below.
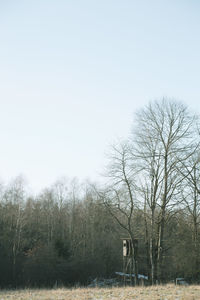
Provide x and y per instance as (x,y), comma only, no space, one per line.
(72,73)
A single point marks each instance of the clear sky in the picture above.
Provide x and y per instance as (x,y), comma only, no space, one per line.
(72,73)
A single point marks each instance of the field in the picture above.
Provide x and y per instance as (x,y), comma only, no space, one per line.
(147,293)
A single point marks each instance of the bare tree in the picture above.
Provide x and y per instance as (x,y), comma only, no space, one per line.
(191,198)
(162,140)
(118,197)
(14,197)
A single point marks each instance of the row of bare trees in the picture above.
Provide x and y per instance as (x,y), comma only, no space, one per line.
(71,232)
(156,170)
(61,236)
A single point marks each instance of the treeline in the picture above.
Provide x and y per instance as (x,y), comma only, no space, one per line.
(63,236)
(71,233)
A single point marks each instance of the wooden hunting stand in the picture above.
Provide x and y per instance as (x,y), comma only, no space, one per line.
(128,258)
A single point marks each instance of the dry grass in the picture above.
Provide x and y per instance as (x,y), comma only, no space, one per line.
(147,293)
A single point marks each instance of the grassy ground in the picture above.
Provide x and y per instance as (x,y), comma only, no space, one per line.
(147,293)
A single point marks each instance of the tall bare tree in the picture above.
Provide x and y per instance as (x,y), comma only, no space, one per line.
(162,140)
(191,198)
